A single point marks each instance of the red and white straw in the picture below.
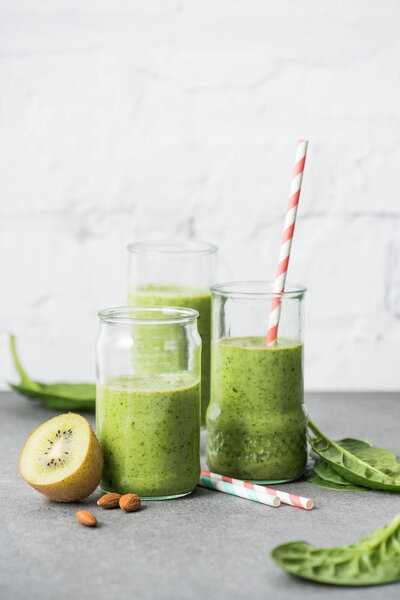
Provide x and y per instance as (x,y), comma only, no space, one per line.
(285,497)
(291,212)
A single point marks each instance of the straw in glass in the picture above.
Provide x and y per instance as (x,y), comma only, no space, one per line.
(291,212)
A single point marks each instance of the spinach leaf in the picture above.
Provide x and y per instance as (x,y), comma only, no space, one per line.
(330,485)
(325,472)
(358,462)
(59,396)
(371,561)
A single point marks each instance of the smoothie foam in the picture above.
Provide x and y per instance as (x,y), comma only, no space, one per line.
(256,420)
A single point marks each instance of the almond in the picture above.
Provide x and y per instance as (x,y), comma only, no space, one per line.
(129,502)
(86,518)
(109,500)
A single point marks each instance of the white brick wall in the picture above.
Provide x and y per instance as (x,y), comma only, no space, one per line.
(126,120)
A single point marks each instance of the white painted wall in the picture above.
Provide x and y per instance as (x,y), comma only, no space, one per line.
(127,120)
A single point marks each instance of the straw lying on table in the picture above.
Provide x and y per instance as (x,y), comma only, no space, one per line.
(251,491)
(290,221)
(238,490)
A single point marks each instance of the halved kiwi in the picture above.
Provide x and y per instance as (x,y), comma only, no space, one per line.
(62,459)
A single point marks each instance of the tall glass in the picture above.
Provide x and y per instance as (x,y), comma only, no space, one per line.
(256,420)
(147,408)
(176,274)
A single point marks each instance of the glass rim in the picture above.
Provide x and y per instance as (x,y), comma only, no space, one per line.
(242,289)
(176,248)
(157,315)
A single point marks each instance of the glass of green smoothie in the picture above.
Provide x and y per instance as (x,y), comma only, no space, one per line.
(176,274)
(256,419)
(148,408)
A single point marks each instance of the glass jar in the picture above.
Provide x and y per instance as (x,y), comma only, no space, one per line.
(147,407)
(256,420)
(176,274)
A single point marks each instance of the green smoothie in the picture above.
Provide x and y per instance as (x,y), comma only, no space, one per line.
(256,420)
(199,300)
(149,431)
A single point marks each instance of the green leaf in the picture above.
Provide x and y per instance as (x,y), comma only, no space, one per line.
(59,396)
(25,380)
(372,560)
(358,462)
(330,485)
(325,472)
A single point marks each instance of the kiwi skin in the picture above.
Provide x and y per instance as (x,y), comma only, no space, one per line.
(79,484)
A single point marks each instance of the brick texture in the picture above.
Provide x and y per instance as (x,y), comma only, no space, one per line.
(126,120)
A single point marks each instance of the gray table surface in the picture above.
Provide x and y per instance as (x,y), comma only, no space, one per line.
(207,545)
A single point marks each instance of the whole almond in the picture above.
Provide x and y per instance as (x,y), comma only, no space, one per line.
(129,502)
(109,500)
(86,518)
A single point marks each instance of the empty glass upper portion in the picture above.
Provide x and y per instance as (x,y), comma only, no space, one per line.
(242,309)
(149,314)
(257,289)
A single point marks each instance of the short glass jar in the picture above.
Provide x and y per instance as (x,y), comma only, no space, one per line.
(256,420)
(177,273)
(147,406)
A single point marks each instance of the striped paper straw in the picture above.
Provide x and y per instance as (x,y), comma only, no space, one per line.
(285,497)
(238,490)
(291,212)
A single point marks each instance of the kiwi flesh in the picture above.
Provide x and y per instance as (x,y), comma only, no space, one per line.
(62,458)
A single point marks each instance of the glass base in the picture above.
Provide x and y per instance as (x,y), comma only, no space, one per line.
(149,497)
(260,481)
(271,481)
(274,481)
(166,497)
